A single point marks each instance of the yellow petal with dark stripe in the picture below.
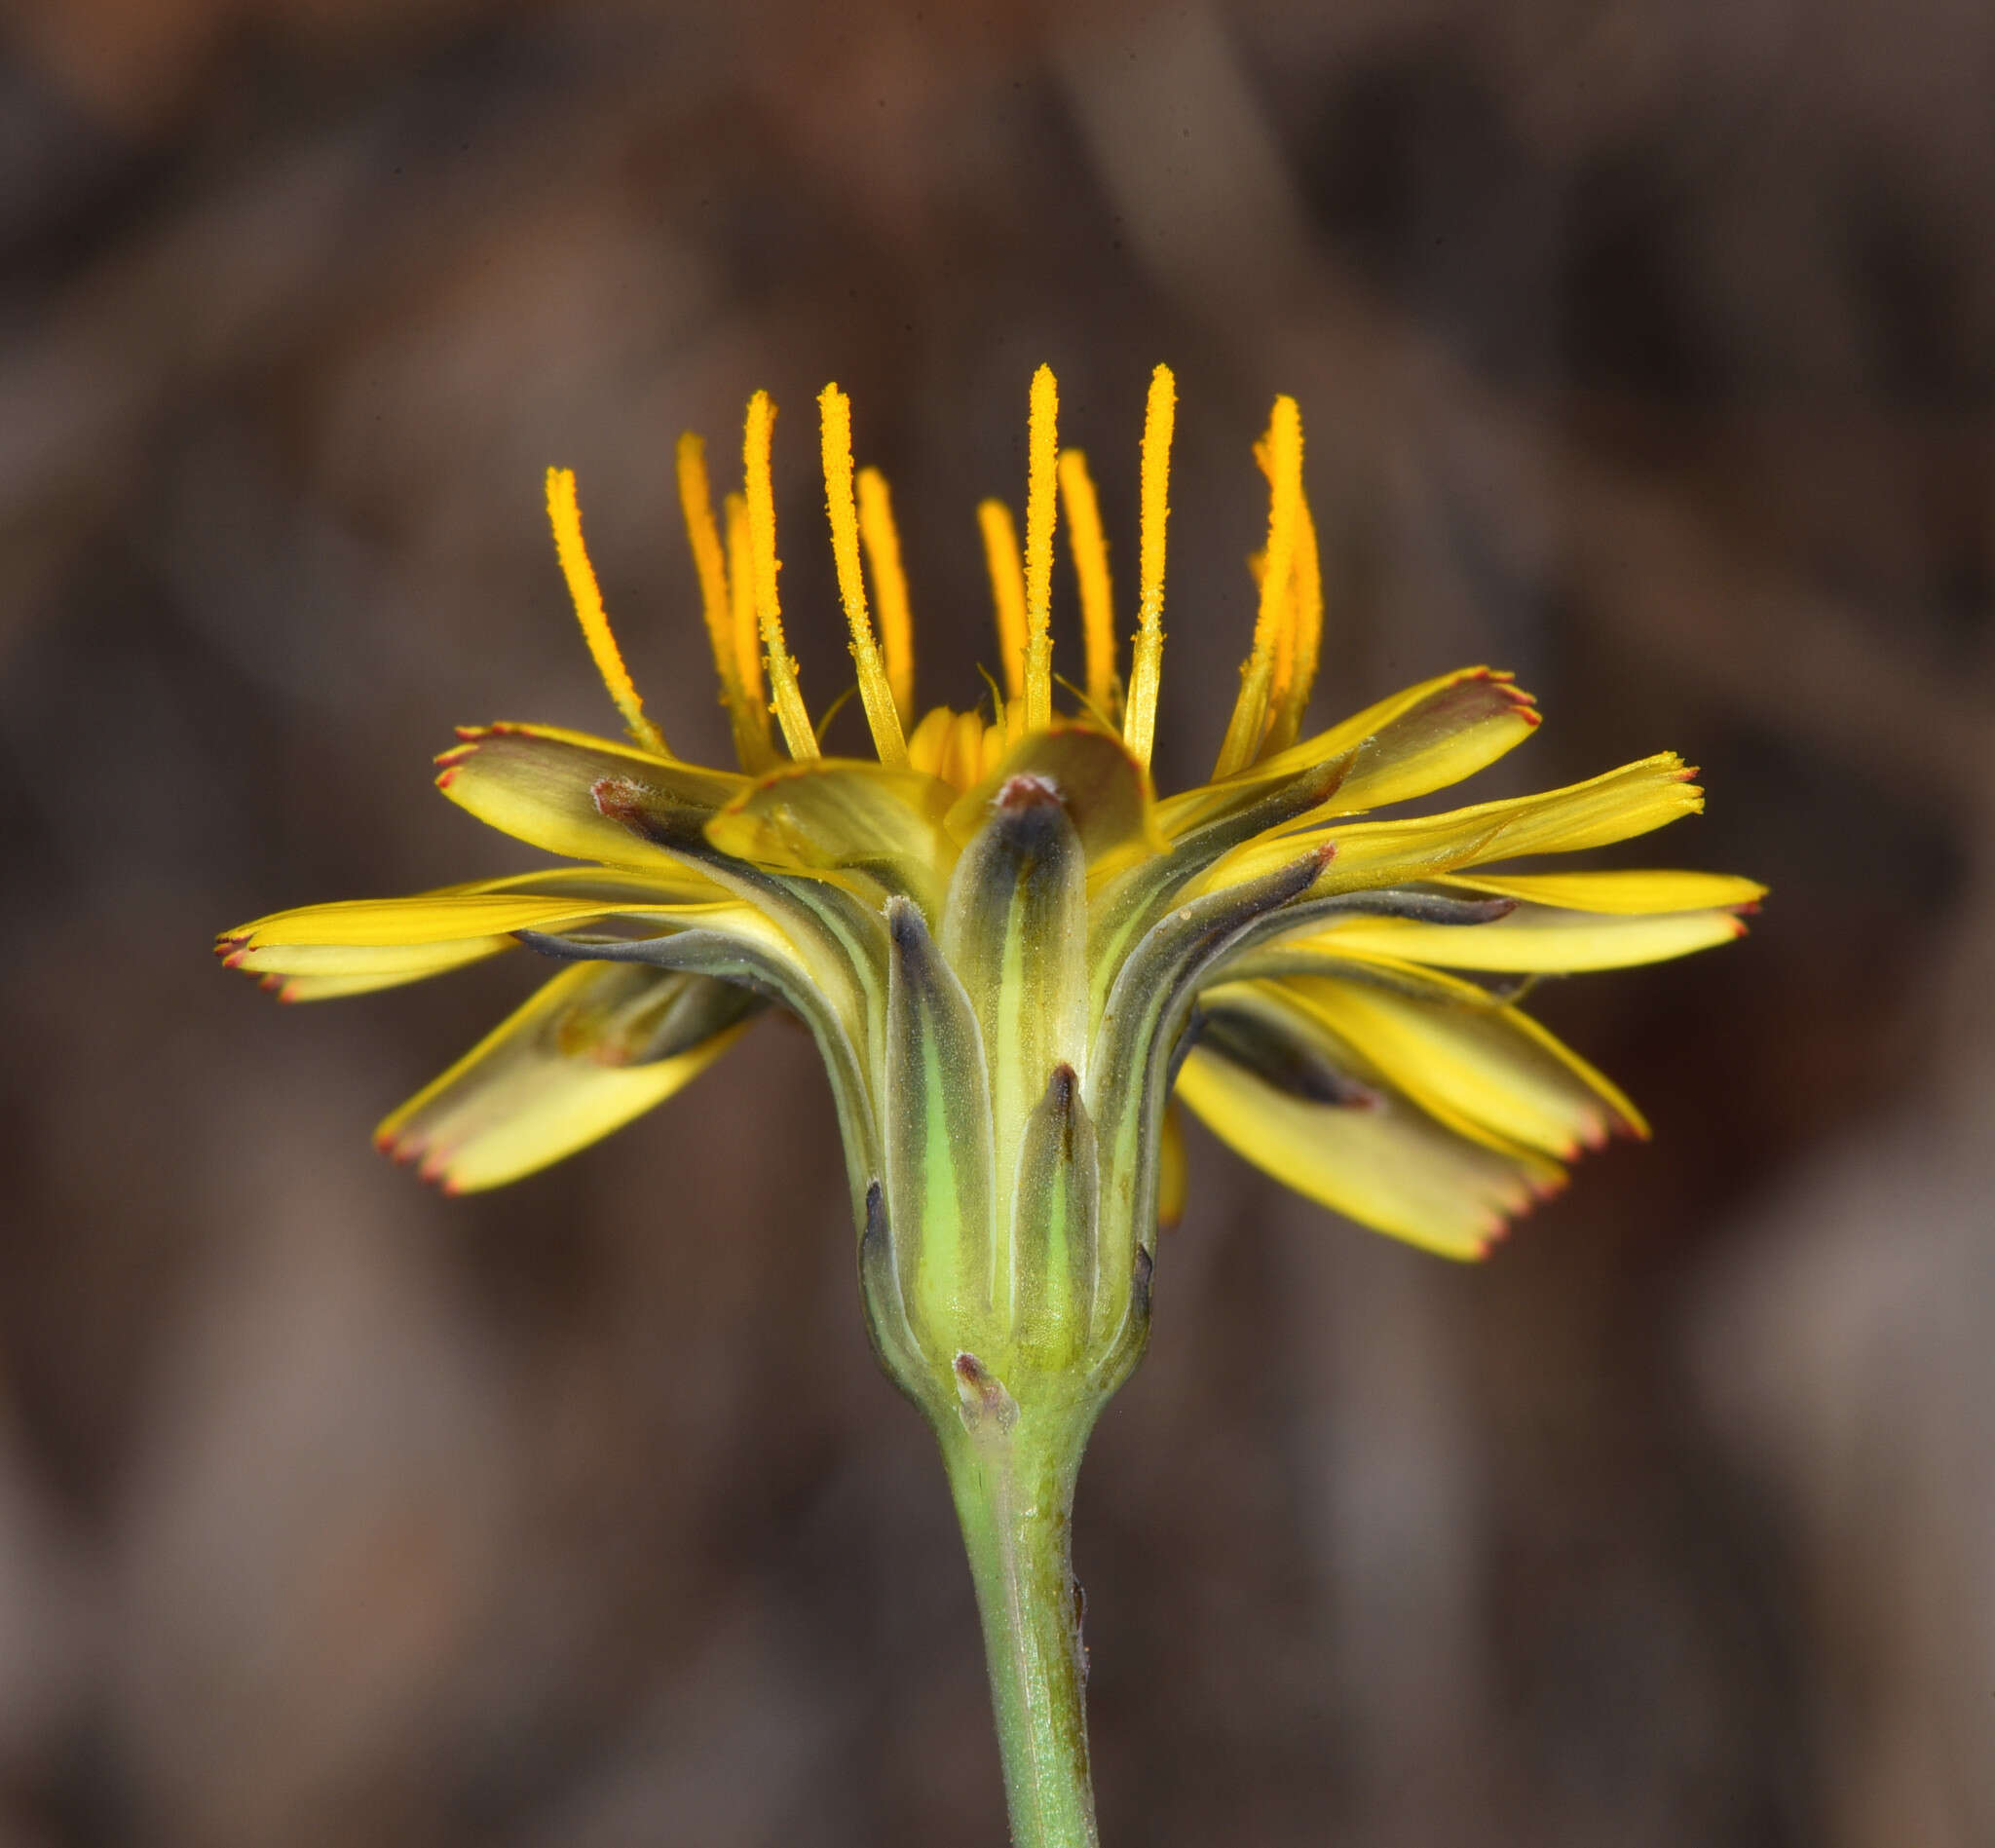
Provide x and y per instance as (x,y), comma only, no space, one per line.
(435,918)
(599,1045)
(390,969)
(384,965)
(1486,1071)
(1532,939)
(1643,892)
(1423,738)
(1386,1164)
(354,946)
(538,784)
(1616,805)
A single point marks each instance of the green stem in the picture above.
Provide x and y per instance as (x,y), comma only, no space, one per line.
(1014,1495)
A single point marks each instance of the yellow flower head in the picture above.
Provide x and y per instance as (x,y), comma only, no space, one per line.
(1010,951)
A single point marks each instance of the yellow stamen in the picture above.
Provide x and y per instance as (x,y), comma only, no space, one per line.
(1041,506)
(1007,590)
(1091,574)
(748,720)
(741,607)
(788,699)
(882,540)
(565,515)
(1306,606)
(835,443)
(1145,667)
(1245,730)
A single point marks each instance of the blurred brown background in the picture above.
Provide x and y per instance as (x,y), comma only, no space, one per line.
(1645,348)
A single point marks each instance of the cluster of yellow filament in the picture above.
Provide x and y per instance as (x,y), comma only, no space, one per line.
(735,559)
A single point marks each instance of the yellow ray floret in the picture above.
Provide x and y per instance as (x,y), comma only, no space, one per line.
(1091,579)
(1040,503)
(541,1084)
(1535,939)
(1145,667)
(883,718)
(882,540)
(1487,1073)
(1007,591)
(788,700)
(1635,893)
(747,718)
(1391,1166)
(565,515)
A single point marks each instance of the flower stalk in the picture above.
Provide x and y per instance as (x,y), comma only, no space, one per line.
(1011,1470)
